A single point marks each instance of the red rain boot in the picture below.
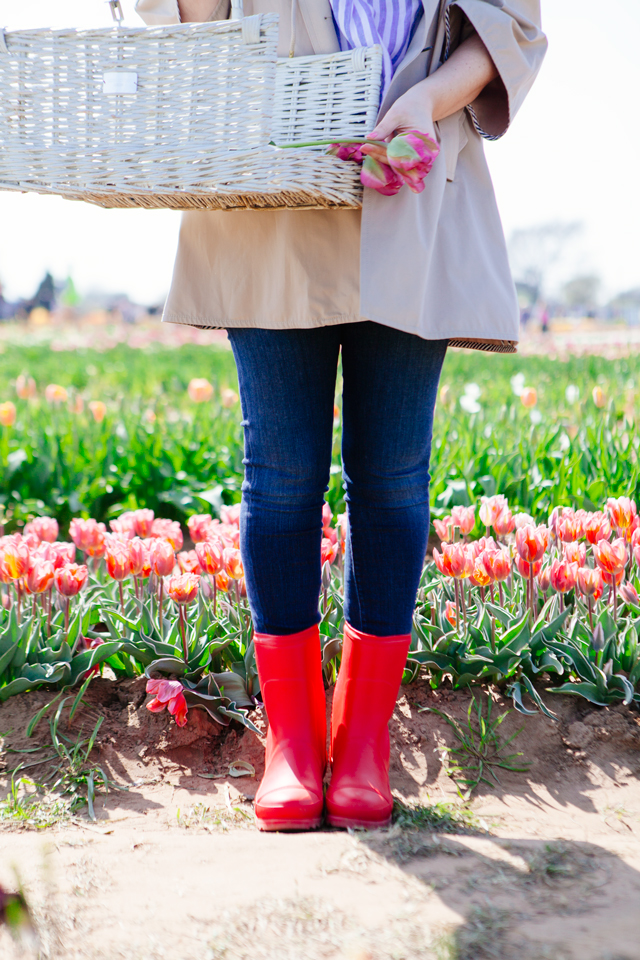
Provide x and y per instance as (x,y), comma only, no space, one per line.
(363,701)
(290,796)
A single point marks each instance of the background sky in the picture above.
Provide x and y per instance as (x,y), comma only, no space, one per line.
(570,155)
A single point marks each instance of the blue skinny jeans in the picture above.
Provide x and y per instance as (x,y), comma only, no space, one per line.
(287,386)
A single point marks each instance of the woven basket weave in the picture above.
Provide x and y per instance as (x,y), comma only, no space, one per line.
(192,121)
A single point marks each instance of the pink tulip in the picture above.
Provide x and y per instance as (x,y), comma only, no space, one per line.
(168,530)
(198,525)
(497,563)
(124,525)
(622,511)
(347,151)
(531,542)
(40,576)
(575,553)
(328,551)
(610,557)
(504,523)
(183,588)
(597,527)
(590,582)
(143,521)
(464,518)
(118,554)
(491,508)
(564,576)
(140,559)
(188,562)
(526,569)
(454,561)
(443,528)
(411,157)
(71,579)
(209,553)
(88,535)
(44,528)
(380,177)
(231,515)
(544,579)
(169,694)
(162,557)
(629,594)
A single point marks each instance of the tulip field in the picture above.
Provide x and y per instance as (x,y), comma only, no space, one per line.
(120,484)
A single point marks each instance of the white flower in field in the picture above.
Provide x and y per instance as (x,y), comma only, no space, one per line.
(472,390)
(536,416)
(572,393)
(469,399)
(469,404)
(517,383)
(523,519)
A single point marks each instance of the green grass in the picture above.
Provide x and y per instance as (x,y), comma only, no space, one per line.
(156,448)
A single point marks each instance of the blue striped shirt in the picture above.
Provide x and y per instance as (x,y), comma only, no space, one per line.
(362,23)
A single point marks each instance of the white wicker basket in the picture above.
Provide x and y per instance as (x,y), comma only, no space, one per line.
(180,116)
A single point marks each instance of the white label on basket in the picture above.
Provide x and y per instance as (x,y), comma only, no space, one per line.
(119,81)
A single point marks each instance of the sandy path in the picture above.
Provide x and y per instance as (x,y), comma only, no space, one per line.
(552,871)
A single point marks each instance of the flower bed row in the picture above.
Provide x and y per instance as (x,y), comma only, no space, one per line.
(525,605)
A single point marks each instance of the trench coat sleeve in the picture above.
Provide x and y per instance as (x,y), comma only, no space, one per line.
(161,12)
(511,32)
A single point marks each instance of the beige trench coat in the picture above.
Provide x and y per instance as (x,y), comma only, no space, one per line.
(432,264)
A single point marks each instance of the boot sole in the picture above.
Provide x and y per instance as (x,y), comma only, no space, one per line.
(346,823)
(288,825)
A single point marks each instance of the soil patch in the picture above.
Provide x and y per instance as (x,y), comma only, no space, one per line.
(545,864)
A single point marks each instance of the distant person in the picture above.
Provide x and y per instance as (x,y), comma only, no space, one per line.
(391,287)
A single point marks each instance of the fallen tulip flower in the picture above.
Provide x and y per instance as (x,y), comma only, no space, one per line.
(411,157)
(169,694)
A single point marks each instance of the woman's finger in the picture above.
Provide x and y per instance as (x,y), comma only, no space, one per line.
(375,150)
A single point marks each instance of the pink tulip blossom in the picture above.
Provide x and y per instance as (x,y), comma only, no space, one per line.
(380,177)
(169,694)
(411,157)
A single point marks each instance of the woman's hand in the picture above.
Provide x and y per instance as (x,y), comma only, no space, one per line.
(453,85)
(412,111)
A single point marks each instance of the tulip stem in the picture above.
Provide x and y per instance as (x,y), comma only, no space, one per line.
(183,633)
(493,634)
(615,599)
(33,612)
(590,613)
(49,613)
(66,619)
(501,593)
(160,599)
(456,587)
(326,143)
(121,597)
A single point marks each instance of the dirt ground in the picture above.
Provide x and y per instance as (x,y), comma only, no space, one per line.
(548,866)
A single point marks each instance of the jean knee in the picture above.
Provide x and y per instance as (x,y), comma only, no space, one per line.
(390,490)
